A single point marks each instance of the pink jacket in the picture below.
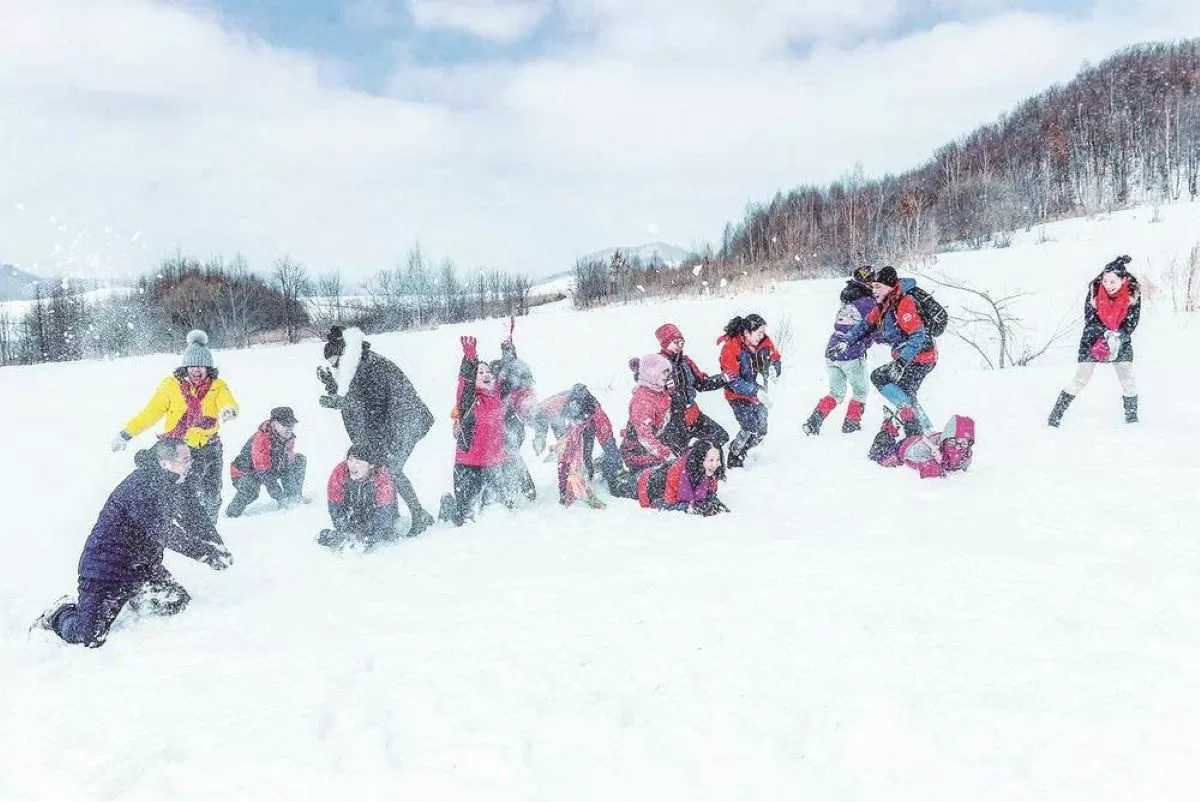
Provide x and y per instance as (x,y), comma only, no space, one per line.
(648,414)
(479,429)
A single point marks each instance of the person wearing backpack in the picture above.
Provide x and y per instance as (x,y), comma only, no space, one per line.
(848,365)
(1111,313)
(907,318)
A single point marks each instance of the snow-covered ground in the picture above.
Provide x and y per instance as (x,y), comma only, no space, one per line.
(1028,630)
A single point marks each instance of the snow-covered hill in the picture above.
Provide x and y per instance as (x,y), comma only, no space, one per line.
(1027,630)
(649,253)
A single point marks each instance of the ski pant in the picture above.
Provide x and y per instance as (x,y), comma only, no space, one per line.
(208,462)
(752,418)
(904,392)
(853,371)
(291,482)
(100,601)
(470,484)
(404,488)
(1083,375)
(678,434)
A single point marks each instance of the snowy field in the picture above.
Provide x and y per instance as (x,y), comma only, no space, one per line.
(1029,630)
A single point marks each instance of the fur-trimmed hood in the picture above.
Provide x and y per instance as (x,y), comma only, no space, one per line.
(356,348)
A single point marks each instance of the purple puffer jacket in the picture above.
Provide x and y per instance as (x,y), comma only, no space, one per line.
(857,303)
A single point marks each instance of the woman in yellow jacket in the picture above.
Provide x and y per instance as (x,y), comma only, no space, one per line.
(192,402)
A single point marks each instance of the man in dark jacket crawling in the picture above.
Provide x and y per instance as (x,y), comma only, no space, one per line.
(122,562)
(380,409)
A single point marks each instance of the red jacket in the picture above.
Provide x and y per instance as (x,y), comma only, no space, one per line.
(264,452)
(649,411)
(738,361)
(479,430)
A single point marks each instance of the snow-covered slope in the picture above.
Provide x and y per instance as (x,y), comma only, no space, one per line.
(1027,630)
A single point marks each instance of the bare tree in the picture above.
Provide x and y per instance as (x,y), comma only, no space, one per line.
(991,323)
(294,283)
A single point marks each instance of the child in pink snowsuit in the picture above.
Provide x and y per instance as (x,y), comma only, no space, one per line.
(479,434)
(932,455)
(642,445)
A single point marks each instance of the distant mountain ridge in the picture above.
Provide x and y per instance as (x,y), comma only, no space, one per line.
(17,284)
(668,255)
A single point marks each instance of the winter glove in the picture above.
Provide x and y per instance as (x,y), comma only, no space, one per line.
(778,368)
(228,414)
(219,559)
(331,401)
(539,443)
(1114,340)
(727,377)
(895,371)
(325,375)
(469,347)
(119,442)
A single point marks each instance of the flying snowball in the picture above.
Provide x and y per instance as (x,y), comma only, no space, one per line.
(696,270)
(136,237)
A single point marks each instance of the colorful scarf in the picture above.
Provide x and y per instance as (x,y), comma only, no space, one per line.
(194,417)
(1112,309)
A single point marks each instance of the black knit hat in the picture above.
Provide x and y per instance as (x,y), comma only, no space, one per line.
(366,453)
(335,344)
(887,275)
(1117,266)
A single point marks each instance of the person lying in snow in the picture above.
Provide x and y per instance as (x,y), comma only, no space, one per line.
(642,445)
(578,421)
(362,502)
(932,455)
(152,509)
(269,461)
(687,484)
(479,432)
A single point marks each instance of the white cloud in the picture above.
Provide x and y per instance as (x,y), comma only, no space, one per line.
(136,116)
(496,20)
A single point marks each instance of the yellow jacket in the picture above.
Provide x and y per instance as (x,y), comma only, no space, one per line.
(169,404)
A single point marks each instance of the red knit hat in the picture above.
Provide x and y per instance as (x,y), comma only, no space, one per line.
(667,333)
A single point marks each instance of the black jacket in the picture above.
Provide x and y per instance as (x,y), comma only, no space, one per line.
(1094,328)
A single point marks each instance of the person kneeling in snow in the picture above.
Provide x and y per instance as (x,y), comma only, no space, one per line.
(122,563)
(932,455)
(689,484)
(642,444)
(362,502)
(269,460)
(578,422)
(479,434)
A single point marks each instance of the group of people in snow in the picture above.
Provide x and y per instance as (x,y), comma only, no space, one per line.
(672,456)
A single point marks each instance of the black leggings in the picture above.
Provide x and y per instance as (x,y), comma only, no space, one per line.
(471,482)
(208,462)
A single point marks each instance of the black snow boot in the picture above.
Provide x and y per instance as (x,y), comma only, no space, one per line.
(1060,407)
(850,426)
(813,424)
(1130,408)
(420,522)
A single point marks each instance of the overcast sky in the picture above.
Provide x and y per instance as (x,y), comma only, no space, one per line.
(517,134)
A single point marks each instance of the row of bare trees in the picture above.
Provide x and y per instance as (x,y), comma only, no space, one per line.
(1125,131)
(238,307)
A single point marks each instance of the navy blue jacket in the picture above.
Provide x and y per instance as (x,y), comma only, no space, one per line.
(149,511)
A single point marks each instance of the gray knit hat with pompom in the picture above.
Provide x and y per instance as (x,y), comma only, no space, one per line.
(197,355)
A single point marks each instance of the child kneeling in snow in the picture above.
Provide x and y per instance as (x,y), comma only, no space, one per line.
(578,422)
(479,434)
(362,502)
(932,455)
(689,484)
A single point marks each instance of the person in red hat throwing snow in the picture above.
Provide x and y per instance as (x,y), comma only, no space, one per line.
(687,422)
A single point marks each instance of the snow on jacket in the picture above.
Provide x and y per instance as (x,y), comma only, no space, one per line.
(266,455)
(196,425)
(737,360)
(929,455)
(550,413)
(480,421)
(689,380)
(380,407)
(149,511)
(898,323)
(1094,328)
(641,443)
(673,487)
(366,506)
(857,304)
